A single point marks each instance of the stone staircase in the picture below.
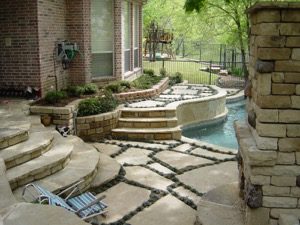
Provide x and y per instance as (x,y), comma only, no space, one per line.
(33,153)
(147,124)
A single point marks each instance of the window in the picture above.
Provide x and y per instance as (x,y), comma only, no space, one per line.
(102,37)
(127,35)
(136,35)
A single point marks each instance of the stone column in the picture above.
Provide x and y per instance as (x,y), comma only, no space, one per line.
(269,142)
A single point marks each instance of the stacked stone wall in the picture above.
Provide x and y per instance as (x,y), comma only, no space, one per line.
(270,140)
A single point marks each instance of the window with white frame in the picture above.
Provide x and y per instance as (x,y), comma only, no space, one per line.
(127,34)
(136,35)
(102,37)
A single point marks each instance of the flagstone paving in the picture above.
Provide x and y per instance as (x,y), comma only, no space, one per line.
(161,182)
(134,156)
(160,168)
(147,177)
(179,160)
(210,177)
(210,154)
(122,199)
(107,148)
(168,210)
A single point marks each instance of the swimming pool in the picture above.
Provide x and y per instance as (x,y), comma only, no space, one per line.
(223,133)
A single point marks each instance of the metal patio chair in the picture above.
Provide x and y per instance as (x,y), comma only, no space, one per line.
(86,205)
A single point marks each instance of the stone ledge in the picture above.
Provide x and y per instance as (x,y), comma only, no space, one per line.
(155,90)
(250,153)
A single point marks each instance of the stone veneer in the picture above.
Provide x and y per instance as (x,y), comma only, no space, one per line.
(269,142)
(97,127)
(61,116)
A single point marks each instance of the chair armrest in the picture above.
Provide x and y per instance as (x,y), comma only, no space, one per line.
(72,187)
(91,204)
(25,189)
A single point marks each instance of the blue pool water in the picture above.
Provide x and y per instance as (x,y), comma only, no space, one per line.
(223,133)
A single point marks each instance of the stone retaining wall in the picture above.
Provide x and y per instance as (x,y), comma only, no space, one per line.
(96,127)
(269,142)
(61,116)
(155,90)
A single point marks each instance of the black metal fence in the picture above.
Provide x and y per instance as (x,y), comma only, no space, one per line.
(200,63)
(201,72)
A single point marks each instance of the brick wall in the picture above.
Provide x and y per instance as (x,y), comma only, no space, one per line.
(79,31)
(270,141)
(51,28)
(19,57)
(29,30)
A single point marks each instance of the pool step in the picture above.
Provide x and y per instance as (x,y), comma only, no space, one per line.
(147,134)
(148,113)
(36,145)
(147,122)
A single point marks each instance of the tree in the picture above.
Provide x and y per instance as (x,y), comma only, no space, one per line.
(235,12)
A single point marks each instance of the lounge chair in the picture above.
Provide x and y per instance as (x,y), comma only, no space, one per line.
(85,205)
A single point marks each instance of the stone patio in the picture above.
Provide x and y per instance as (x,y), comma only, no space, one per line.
(149,182)
(162,182)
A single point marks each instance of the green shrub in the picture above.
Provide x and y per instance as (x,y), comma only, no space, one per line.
(89,89)
(114,87)
(176,78)
(149,72)
(118,86)
(125,84)
(75,91)
(108,103)
(146,81)
(55,96)
(90,106)
(163,72)
(93,106)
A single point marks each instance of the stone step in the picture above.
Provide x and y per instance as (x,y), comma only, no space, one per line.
(37,144)
(49,163)
(147,122)
(82,166)
(211,213)
(146,113)
(147,134)
(107,171)
(13,132)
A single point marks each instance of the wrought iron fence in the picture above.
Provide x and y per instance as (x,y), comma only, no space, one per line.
(202,63)
(201,72)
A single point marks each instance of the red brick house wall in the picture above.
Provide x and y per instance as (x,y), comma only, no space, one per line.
(29,31)
(51,28)
(19,57)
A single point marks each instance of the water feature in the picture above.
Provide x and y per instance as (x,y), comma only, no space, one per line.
(222,133)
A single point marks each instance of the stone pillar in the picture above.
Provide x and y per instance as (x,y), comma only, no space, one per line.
(269,142)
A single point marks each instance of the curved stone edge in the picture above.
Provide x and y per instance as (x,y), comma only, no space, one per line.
(148,93)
